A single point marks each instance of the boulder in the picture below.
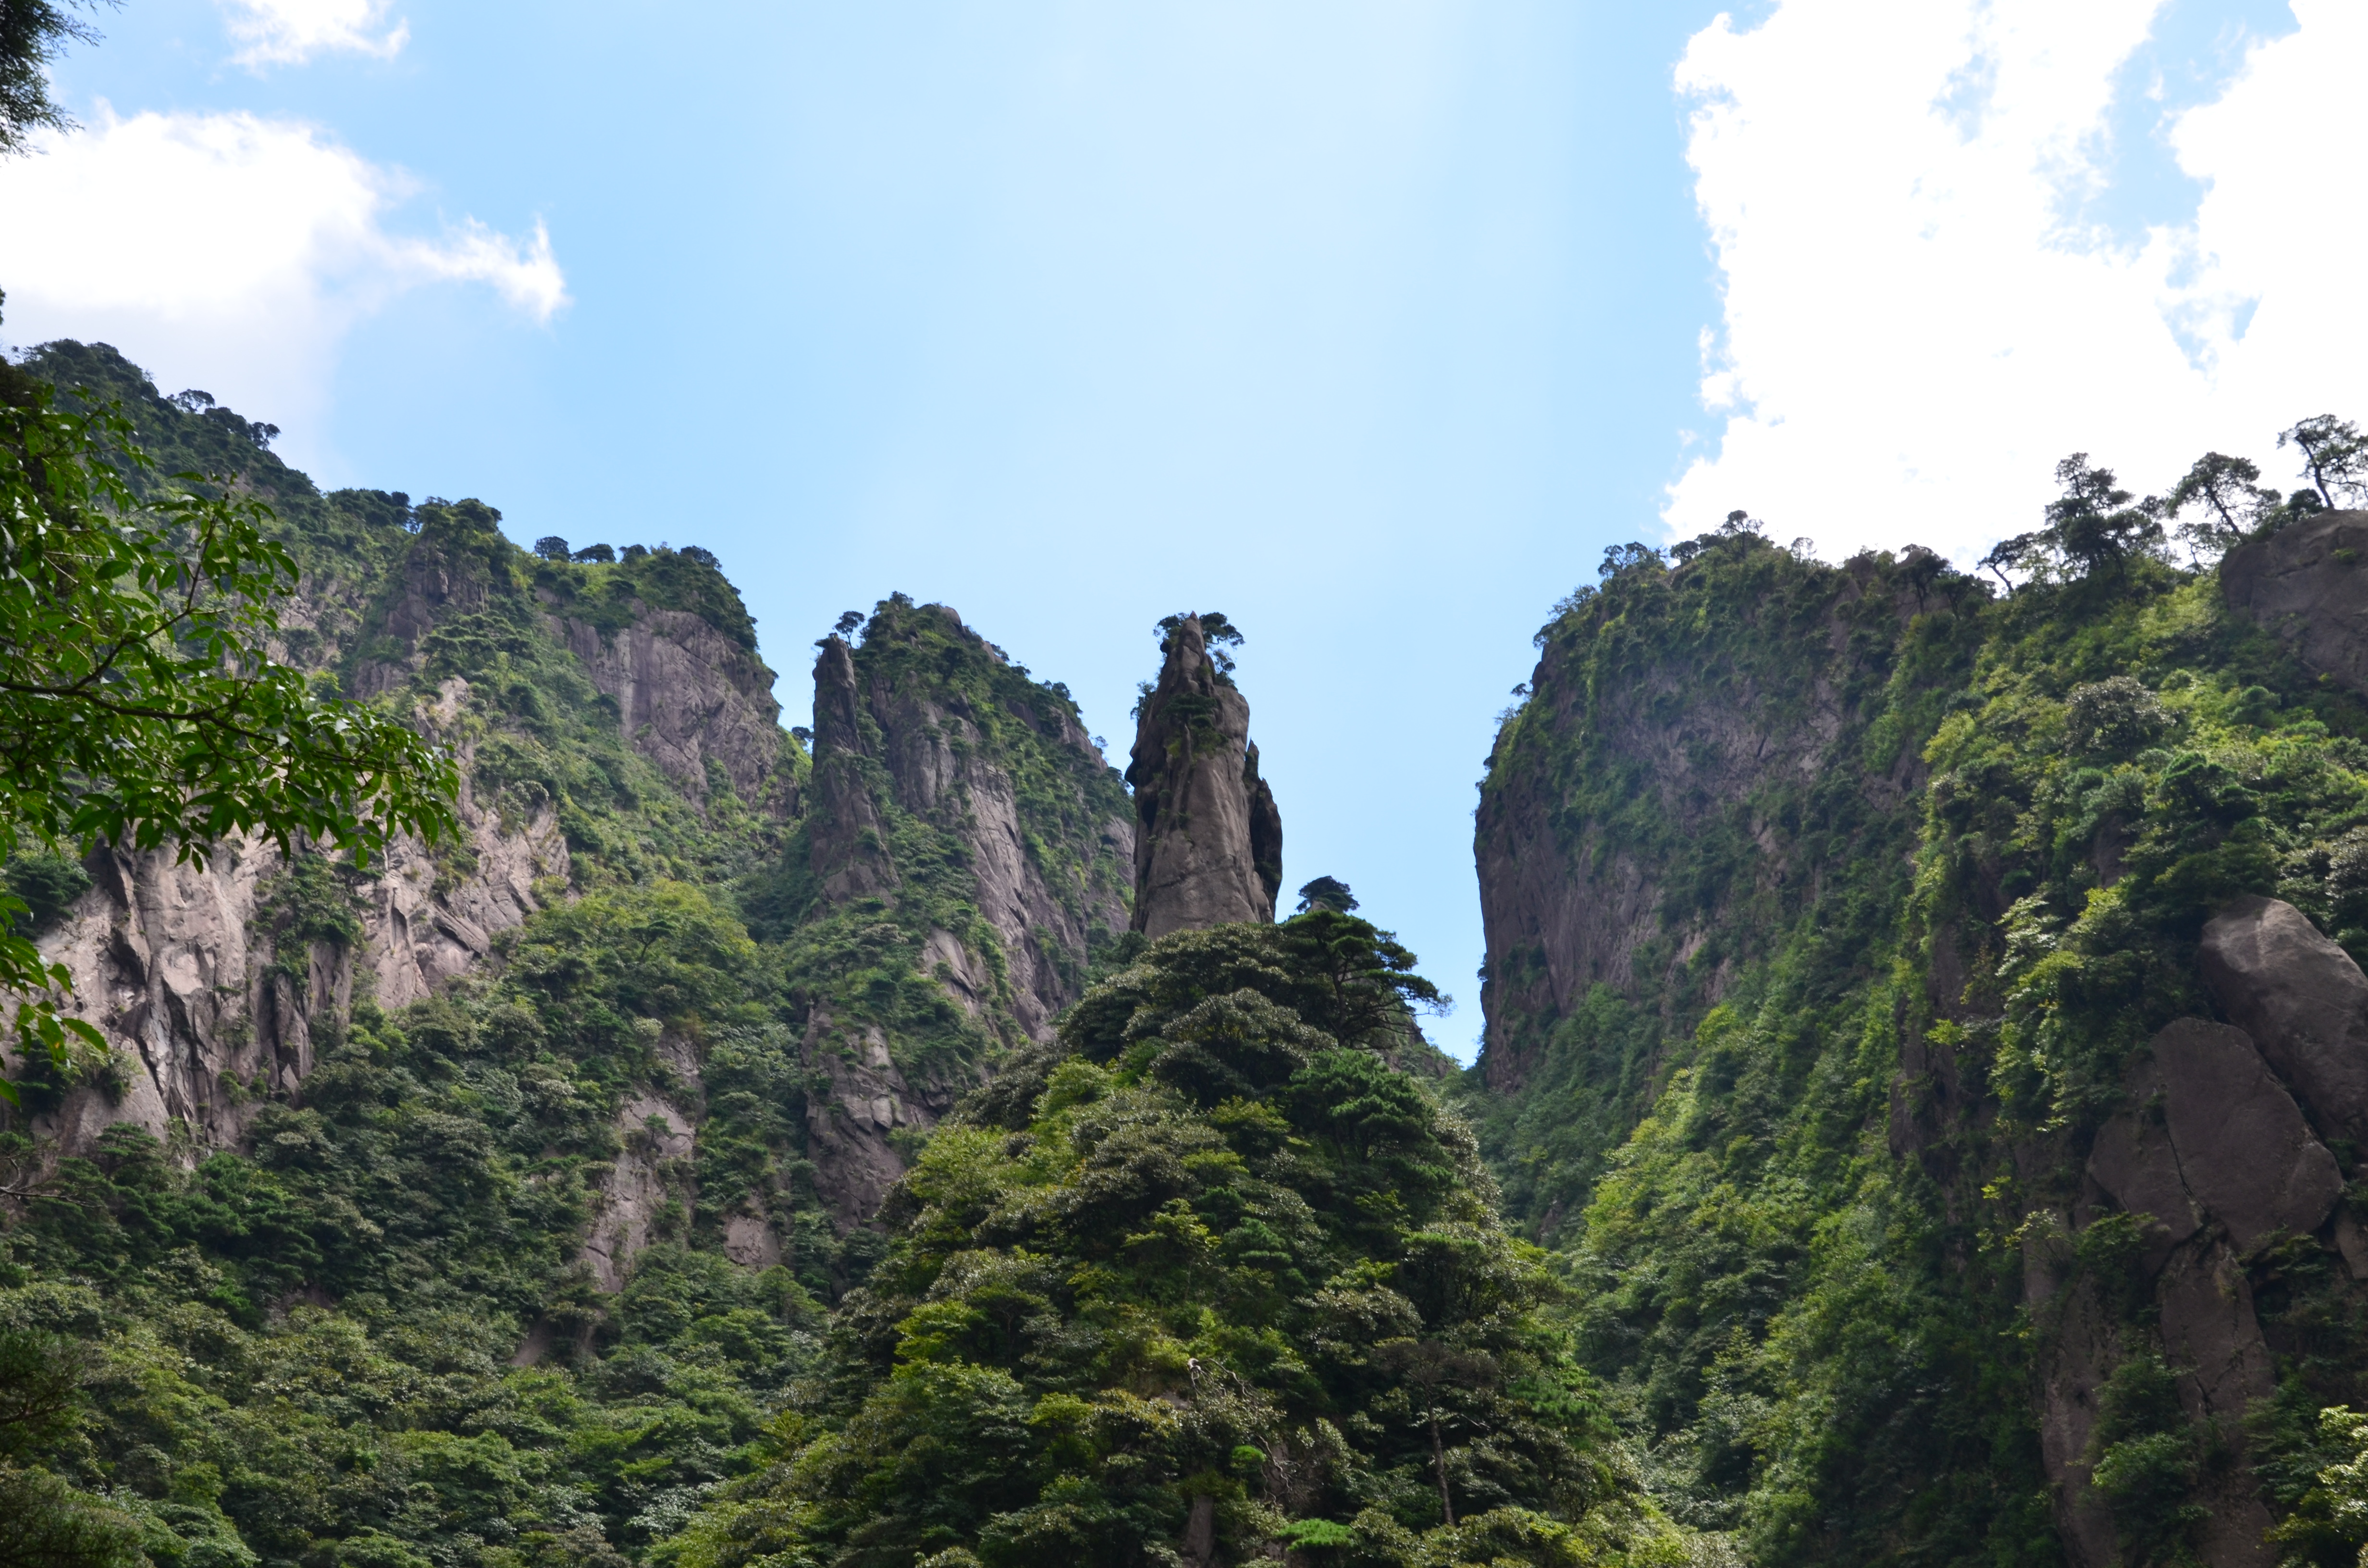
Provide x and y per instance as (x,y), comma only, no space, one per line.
(2212,1134)
(2308,583)
(2303,1002)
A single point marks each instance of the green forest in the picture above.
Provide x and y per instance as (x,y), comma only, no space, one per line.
(603,1138)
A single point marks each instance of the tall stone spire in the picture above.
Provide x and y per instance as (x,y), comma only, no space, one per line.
(1208,843)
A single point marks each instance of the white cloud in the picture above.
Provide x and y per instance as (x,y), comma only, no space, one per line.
(229,252)
(1915,331)
(289,32)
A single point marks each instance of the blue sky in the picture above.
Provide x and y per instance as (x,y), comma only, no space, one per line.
(1370,324)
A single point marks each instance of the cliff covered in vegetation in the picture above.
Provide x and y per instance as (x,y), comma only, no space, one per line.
(1921,1118)
(478,1205)
(1923,1020)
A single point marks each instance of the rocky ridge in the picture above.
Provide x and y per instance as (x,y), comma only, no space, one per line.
(961,814)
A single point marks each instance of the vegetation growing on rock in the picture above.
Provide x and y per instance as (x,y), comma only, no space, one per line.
(1882,881)
(516,1274)
(1209,1272)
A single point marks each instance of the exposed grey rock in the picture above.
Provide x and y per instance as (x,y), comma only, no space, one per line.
(901,745)
(2078,1351)
(1208,846)
(849,836)
(2303,1002)
(2218,1158)
(686,694)
(2211,1333)
(658,1134)
(848,1123)
(2308,583)
(2134,1162)
(169,963)
(941,769)
(750,1241)
(2211,1129)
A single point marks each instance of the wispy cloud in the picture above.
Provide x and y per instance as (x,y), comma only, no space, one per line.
(1919,319)
(289,32)
(232,250)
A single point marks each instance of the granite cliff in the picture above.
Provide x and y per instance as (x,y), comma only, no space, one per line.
(1930,1023)
(964,830)
(616,729)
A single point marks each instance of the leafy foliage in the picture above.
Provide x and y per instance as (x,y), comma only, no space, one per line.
(1326,892)
(1219,634)
(33,33)
(1213,1265)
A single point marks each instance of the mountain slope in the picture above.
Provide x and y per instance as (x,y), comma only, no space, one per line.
(1207,1281)
(1840,920)
(477,1208)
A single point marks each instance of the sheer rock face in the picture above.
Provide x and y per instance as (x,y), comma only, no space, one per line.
(1208,846)
(1565,904)
(206,1015)
(686,695)
(2308,583)
(897,744)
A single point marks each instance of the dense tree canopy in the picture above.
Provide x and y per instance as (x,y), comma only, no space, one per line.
(1211,1276)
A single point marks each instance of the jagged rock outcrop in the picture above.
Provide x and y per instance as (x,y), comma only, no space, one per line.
(929,744)
(1207,844)
(2308,583)
(685,694)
